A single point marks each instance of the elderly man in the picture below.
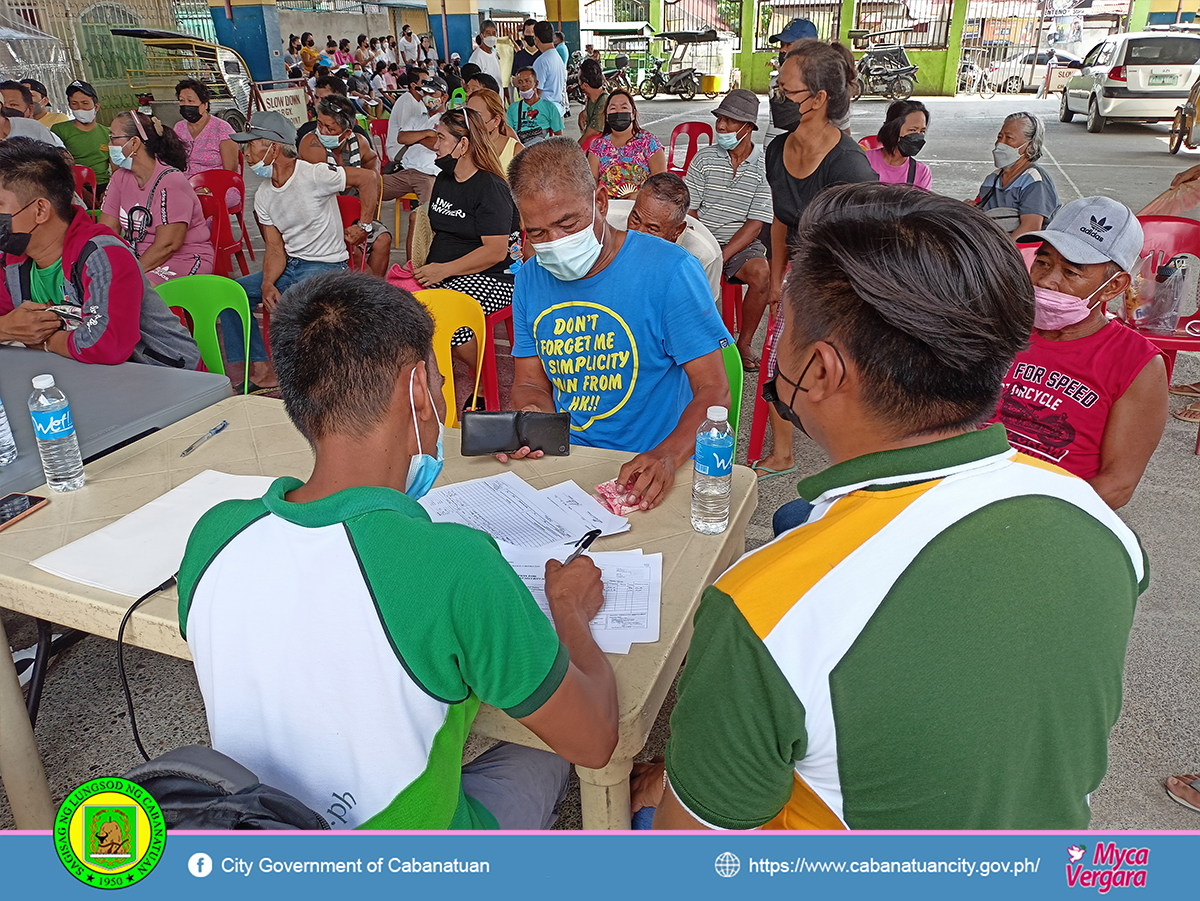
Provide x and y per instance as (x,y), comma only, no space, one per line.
(731,195)
(329,86)
(940,645)
(377,741)
(661,210)
(635,360)
(1087,394)
(60,267)
(296,207)
(485,56)
(16,120)
(550,68)
(533,116)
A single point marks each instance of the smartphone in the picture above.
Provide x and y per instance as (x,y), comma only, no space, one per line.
(18,506)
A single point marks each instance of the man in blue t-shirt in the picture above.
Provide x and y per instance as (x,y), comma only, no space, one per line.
(616,328)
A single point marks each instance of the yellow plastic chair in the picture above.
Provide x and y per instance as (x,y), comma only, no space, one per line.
(203,298)
(452,310)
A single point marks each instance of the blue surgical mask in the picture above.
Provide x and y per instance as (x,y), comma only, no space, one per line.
(423,470)
(329,142)
(118,157)
(727,140)
(262,168)
(571,258)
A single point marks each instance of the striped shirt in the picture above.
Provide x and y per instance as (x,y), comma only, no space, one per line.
(940,646)
(725,201)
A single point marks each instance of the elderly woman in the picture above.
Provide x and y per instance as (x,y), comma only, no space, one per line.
(901,138)
(151,204)
(626,154)
(1019,195)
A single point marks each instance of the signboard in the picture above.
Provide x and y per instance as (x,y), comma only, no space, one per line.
(291,101)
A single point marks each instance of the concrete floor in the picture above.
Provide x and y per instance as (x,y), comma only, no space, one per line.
(83,730)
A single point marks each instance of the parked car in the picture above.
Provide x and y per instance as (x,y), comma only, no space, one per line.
(1013,75)
(1138,77)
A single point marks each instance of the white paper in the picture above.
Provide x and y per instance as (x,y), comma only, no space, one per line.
(632,594)
(572,499)
(507,508)
(142,549)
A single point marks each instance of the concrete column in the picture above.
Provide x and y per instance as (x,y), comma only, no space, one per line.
(568,12)
(254,33)
(958,23)
(462,24)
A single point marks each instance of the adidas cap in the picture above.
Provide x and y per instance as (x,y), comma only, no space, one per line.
(1094,230)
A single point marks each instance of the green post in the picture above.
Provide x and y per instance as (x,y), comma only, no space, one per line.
(846,21)
(958,24)
(1139,15)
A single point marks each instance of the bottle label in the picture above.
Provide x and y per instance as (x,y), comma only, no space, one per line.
(51,426)
(714,457)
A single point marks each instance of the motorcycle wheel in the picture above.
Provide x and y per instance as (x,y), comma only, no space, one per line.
(1175,140)
(687,90)
(987,90)
(902,89)
(711,95)
(648,89)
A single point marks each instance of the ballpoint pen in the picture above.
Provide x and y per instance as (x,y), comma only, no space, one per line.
(584,543)
(214,431)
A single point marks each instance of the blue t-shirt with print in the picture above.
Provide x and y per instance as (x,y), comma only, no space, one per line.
(614,345)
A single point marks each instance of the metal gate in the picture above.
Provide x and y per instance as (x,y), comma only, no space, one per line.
(1004,38)
(921,25)
(772,18)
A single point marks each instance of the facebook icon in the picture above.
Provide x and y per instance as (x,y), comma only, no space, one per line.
(200,865)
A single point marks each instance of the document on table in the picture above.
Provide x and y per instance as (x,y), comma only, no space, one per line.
(514,513)
(569,497)
(142,549)
(632,594)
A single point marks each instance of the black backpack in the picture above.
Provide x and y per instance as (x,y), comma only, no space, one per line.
(199,788)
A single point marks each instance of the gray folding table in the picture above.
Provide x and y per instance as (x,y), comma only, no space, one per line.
(109,404)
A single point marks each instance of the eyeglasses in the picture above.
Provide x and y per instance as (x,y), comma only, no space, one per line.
(781,94)
(119,139)
(770,389)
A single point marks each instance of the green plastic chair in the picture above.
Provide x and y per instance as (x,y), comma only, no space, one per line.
(203,298)
(458,99)
(733,368)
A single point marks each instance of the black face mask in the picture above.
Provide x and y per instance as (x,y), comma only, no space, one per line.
(446,163)
(910,145)
(785,114)
(12,242)
(529,39)
(190,112)
(10,113)
(619,121)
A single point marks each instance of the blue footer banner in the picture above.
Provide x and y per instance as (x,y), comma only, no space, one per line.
(113,847)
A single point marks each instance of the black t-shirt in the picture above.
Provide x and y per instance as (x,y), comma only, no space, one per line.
(461,214)
(523,58)
(845,164)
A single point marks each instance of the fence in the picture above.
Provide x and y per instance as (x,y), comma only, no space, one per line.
(924,25)
(772,18)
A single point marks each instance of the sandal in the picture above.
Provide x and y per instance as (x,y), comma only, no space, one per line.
(767,472)
(1194,781)
(1192,390)
(751,364)
(1190,413)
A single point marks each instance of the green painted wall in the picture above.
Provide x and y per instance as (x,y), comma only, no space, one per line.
(1139,15)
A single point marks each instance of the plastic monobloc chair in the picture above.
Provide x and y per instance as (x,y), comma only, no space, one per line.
(694,131)
(452,310)
(203,298)
(737,376)
(220,182)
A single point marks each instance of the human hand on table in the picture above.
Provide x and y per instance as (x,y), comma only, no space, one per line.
(575,589)
(647,479)
(646,784)
(30,323)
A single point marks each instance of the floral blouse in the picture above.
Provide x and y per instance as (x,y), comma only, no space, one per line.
(623,170)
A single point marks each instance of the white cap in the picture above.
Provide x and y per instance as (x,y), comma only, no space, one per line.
(715,414)
(43,381)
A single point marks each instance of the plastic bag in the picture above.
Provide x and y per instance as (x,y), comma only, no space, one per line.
(1157,298)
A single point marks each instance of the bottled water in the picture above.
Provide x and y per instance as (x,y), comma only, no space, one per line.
(714,473)
(55,432)
(8,447)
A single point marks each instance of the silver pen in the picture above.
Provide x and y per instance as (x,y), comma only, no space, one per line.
(214,431)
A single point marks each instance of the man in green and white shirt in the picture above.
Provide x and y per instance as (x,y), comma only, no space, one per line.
(343,642)
(939,643)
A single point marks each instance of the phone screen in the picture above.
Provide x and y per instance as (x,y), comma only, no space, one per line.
(14,505)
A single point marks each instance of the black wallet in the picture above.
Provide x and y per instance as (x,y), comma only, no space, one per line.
(510,430)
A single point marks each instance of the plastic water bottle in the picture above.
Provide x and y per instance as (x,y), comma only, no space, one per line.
(714,473)
(8,447)
(55,432)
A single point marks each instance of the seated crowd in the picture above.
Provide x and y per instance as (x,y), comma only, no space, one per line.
(969,405)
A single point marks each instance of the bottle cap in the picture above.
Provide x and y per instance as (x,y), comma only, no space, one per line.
(43,381)
(715,414)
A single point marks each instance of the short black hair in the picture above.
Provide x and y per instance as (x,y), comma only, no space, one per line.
(528,69)
(889,132)
(33,169)
(590,73)
(527,23)
(669,188)
(332,82)
(928,297)
(17,86)
(34,85)
(339,342)
(544,32)
(485,81)
(467,70)
(340,109)
(199,88)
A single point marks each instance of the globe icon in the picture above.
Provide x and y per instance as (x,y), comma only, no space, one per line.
(728,864)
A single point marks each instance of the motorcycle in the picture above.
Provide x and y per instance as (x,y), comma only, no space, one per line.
(685,83)
(885,70)
(617,78)
(574,88)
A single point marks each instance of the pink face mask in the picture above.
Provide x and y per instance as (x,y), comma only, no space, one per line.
(1054,310)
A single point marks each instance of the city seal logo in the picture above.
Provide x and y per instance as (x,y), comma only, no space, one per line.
(110,833)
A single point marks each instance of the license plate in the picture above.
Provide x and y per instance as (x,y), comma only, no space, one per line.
(1163,80)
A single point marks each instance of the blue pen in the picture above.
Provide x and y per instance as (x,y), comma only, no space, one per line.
(214,431)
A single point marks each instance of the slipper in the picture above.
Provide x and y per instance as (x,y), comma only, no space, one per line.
(1192,390)
(769,473)
(752,365)
(1178,800)
(1190,413)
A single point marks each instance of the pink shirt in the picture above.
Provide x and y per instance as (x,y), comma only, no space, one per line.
(898,175)
(174,201)
(204,152)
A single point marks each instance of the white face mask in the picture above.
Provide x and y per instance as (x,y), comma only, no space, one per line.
(86,116)
(1005,155)
(490,41)
(570,258)
(527,95)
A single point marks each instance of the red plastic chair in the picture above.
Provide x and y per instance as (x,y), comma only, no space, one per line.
(378,129)
(220,182)
(351,210)
(490,377)
(85,178)
(224,245)
(693,130)
(587,145)
(731,305)
(758,424)
(870,142)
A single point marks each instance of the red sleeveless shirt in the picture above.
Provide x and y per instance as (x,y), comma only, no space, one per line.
(1057,394)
